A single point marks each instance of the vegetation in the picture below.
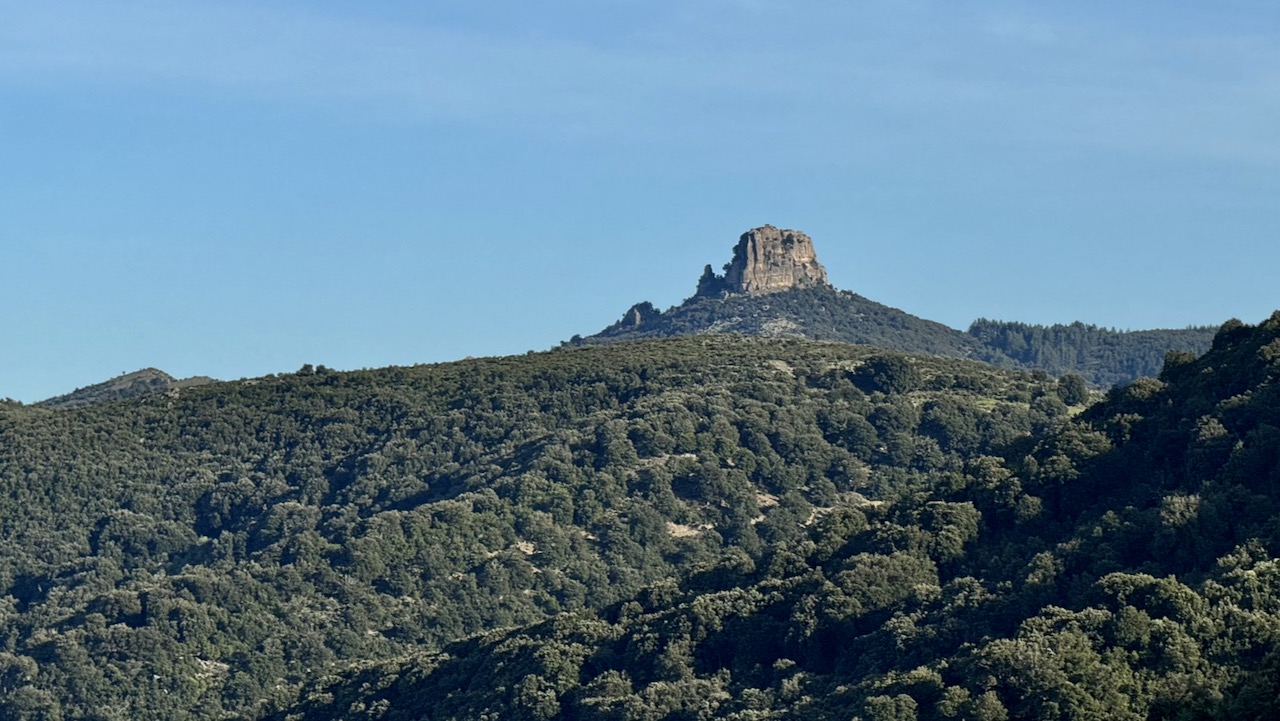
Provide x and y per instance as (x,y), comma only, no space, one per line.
(127,385)
(819,312)
(1120,566)
(703,527)
(204,552)
(1105,357)
(1100,356)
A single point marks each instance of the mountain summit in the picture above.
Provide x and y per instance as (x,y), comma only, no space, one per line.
(775,286)
(766,260)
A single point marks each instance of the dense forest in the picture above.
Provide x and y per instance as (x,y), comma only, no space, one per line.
(1106,357)
(713,526)
(207,551)
(1101,356)
(1119,566)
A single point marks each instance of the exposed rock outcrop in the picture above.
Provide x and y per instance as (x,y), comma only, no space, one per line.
(767,260)
(775,287)
(710,284)
(640,314)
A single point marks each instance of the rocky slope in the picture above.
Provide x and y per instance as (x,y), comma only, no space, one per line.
(775,286)
(819,313)
(130,385)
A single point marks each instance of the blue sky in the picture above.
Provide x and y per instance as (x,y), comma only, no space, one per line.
(235,188)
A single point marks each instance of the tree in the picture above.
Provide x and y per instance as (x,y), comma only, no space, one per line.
(887,374)
(1073,390)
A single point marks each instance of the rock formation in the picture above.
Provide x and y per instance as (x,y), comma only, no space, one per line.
(640,314)
(767,260)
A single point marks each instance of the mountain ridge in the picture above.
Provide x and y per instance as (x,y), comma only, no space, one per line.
(146,381)
(775,286)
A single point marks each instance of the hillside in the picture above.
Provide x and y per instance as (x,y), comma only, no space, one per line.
(1104,356)
(128,385)
(203,555)
(775,287)
(1119,567)
(819,313)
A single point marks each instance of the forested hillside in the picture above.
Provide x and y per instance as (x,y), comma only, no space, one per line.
(1120,567)
(819,312)
(128,385)
(202,553)
(1103,356)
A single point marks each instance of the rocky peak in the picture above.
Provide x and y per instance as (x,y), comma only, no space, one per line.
(640,314)
(767,260)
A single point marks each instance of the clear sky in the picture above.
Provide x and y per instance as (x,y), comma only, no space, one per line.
(237,188)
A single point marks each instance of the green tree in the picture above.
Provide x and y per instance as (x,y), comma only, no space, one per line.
(1073,390)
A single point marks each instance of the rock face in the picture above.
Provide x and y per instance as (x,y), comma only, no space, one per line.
(640,314)
(767,260)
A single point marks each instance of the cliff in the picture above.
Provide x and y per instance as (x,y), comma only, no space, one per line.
(767,260)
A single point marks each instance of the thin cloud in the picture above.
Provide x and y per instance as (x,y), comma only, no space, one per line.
(720,71)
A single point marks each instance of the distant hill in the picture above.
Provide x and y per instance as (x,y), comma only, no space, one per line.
(819,313)
(774,286)
(130,385)
(1105,357)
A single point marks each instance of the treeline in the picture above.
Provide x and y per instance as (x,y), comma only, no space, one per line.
(1101,356)
(202,553)
(1105,357)
(1119,567)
